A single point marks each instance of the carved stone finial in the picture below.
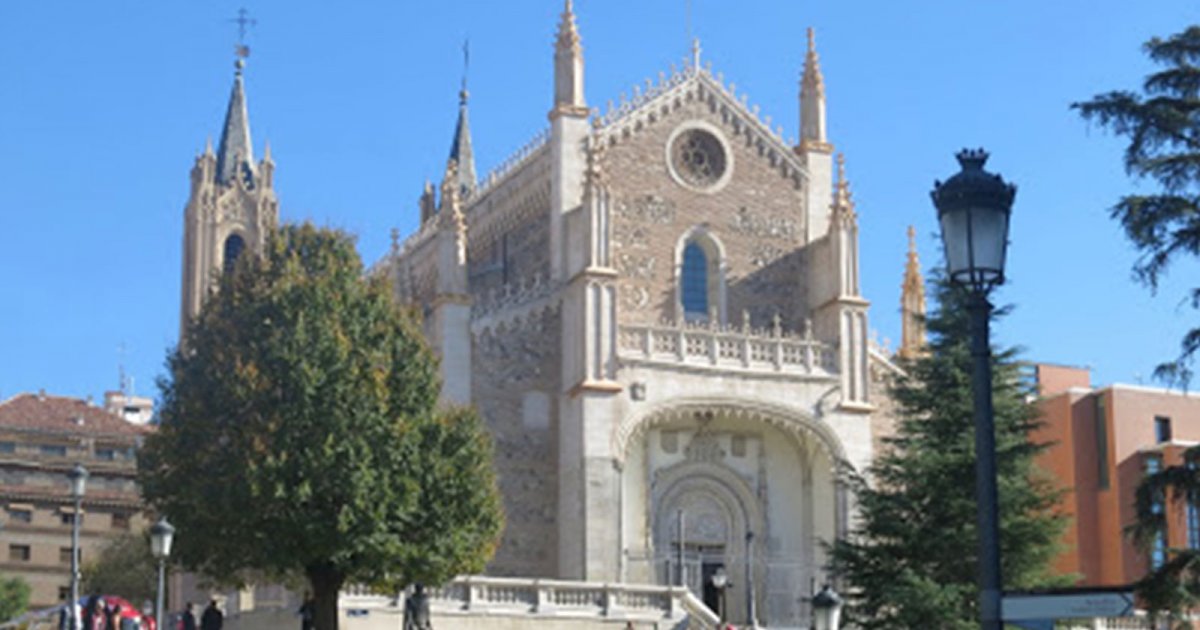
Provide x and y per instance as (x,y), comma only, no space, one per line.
(912,303)
(395,239)
(745,321)
(776,324)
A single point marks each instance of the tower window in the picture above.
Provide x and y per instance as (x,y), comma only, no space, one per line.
(694,285)
(233,249)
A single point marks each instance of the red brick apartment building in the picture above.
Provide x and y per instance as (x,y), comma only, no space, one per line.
(1106,439)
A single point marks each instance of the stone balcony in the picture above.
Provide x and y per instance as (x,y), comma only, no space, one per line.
(726,349)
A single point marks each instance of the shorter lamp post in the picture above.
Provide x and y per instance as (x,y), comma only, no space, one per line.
(827,609)
(78,476)
(973,209)
(162,534)
(720,581)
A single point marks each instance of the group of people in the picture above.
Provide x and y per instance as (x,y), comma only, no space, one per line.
(211,619)
(100,615)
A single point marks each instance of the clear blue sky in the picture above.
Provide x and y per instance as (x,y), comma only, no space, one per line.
(105,104)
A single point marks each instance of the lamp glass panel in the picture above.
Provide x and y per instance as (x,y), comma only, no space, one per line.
(989,231)
(955,239)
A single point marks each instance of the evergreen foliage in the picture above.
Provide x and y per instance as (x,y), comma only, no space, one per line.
(912,560)
(1173,589)
(14,597)
(1162,123)
(125,567)
(300,434)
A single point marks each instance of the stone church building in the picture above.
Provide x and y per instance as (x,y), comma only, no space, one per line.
(657,312)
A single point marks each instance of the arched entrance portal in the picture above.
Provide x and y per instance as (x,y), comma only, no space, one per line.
(709,486)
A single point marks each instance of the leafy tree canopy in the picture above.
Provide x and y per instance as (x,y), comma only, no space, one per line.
(300,433)
(1162,123)
(124,567)
(14,597)
(912,560)
(1173,588)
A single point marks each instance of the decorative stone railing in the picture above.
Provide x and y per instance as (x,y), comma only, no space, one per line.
(483,596)
(726,348)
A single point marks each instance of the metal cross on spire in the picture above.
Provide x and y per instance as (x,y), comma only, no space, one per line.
(466,66)
(242,50)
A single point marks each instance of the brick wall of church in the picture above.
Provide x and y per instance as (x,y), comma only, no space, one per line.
(758,216)
(515,381)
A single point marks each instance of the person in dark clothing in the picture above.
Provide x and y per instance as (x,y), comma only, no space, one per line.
(112,616)
(189,617)
(92,611)
(308,612)
(212,619)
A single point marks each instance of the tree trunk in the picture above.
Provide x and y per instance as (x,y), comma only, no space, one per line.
(326,585)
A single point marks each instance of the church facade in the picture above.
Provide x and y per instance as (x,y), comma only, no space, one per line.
(656,311)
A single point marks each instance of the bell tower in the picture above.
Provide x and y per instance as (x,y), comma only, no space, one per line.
(232,206)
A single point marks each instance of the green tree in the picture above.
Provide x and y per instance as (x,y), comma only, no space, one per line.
(14,597)
(912,560)
(1173,588)
(124,567)
(1162,123)
(300,434)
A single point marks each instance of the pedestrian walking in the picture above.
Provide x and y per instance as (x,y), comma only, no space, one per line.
(212,619)
(308,611)
(188,620)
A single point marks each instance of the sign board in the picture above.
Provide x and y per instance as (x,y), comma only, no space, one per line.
(1067,605)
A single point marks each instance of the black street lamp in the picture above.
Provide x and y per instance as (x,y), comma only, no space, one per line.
(973,209)
(827,609)
(78,476)
(162,534)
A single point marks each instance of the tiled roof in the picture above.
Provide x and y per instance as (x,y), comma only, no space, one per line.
(60,414)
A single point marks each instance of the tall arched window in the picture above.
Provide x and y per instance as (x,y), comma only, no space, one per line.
(233,248)
(694,282)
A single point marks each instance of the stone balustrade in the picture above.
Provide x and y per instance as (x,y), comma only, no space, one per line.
(494,596)
(726,349)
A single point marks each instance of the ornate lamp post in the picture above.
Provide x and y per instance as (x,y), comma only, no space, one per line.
(162,534)
(973,208)
(720,581)
(78,476)
(827,609)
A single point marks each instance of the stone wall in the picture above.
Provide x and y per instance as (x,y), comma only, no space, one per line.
(757,215)
(515,384)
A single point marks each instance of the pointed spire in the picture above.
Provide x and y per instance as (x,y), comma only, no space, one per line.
(912,303)
(267,151)
(427,202)
(568,66)
(208,149)
(843,203)
(235,155)
(460,149)
(812,100)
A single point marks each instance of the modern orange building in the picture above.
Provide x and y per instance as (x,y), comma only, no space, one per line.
(1105,440)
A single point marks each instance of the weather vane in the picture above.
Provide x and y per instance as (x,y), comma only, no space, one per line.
(242,50)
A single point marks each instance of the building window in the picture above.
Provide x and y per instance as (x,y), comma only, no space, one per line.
(1162,429)
(64,593)
(19,553)
(106,454)
(68,518)
(64,555)
(54,450)
(20,515)
(8,447)
(1158,552)
(694,285)
(120,520)
(1101,427)
(234,245)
